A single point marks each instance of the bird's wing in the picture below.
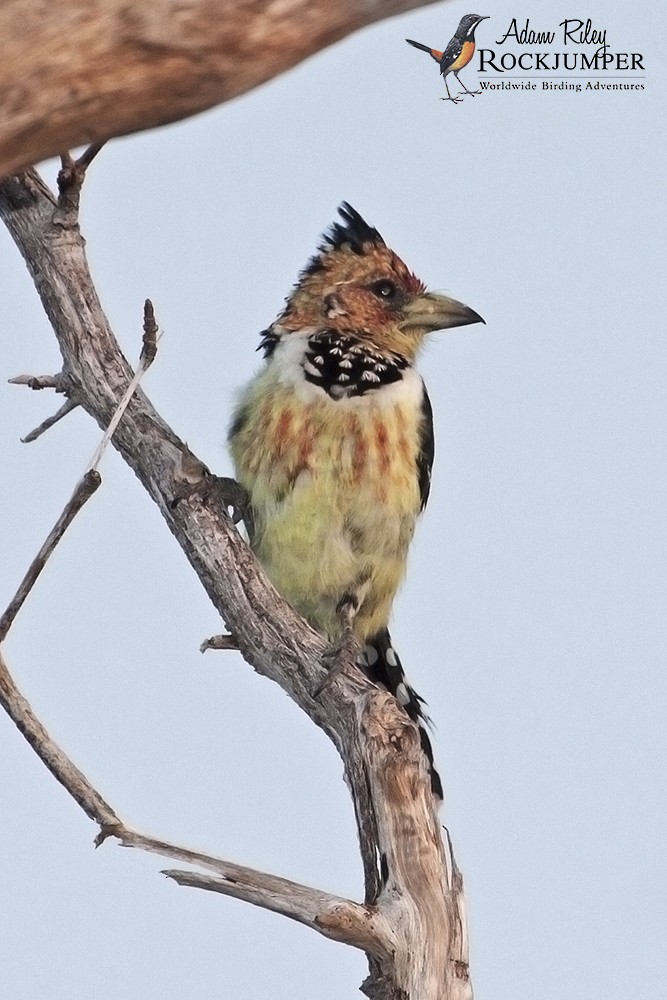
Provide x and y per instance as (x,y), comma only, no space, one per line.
(426,450)
(451,53)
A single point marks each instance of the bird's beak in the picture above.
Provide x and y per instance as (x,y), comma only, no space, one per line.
(437,312)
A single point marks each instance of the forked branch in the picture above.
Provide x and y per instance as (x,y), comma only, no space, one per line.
(335,917)
(412,921)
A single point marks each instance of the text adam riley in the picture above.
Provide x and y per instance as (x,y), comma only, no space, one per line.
(574,32)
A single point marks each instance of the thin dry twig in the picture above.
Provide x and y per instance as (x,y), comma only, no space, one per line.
(37,381)
(334,916)
(90,480)
(67,407)
(82,492)
(70,181)
(150,337)
(146,359)
(89,155)
(219,642)
(48,751)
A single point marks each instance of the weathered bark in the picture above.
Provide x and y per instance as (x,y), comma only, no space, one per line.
(78,71)
(412,922)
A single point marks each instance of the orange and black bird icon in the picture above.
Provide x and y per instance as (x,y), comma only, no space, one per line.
(457,54)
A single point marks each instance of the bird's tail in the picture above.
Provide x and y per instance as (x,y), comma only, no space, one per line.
(380,662)
(434,54)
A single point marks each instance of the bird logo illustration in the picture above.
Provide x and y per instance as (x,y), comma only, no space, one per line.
(457,54)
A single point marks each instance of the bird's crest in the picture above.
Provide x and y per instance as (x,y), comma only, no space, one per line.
(353,234)
(338,288)
(353,231)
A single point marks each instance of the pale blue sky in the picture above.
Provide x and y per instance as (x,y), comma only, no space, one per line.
(532,619)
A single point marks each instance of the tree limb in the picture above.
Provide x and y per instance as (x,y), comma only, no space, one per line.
(411,879)
(334,916)
(81,71)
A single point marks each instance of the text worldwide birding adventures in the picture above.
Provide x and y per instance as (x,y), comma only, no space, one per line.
(456,55)
(333,441)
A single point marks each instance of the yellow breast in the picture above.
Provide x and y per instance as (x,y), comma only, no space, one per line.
(335,490)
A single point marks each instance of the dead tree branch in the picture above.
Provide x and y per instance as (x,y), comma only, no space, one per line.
(90,480)
(58,763)
(47,424)
(87,70)
(82,492)
(416,940)
(337,918)
(333,916)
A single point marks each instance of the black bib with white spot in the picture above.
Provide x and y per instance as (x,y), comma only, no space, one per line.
(344,366)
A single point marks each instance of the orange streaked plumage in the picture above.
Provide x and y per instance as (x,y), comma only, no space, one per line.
(333,441)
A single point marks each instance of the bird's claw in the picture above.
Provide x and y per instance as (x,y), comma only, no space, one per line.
(345,652)
(236,498)
(338,657)
(226,490)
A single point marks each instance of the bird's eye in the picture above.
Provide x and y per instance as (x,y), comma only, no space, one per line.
(384,289)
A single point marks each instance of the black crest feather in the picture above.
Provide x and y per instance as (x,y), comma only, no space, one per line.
(353,230)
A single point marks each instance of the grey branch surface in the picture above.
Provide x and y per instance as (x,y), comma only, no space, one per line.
(412,921)
(81,71)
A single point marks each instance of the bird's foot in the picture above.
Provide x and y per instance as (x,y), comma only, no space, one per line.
(196,479)
(345,652)
(237,499)
(454,100)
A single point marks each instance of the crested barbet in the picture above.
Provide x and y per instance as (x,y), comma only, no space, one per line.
(333,441)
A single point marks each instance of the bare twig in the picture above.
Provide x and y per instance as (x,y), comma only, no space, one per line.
(90,480)
(66,408)
(150,337)
(310,906)
(333,916)
(48,751)
(38,381)
(82,492)
(146,359)
(70,181)
(89,155)
(336,918)
(219,642)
